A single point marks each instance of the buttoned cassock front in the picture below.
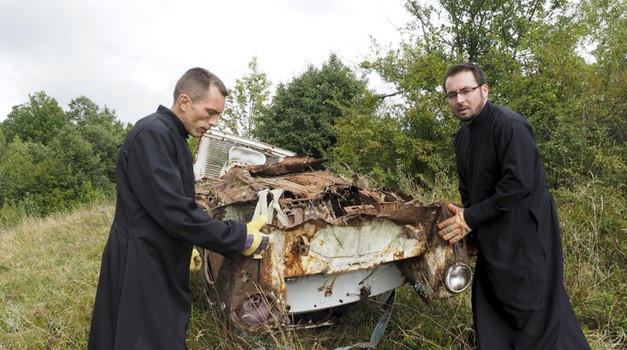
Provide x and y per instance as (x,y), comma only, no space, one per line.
(143,299)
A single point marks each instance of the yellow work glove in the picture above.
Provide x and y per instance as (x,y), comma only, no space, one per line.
(196,262)
(256,241)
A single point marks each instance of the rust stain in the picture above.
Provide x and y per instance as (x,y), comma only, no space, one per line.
(288,165)
(293,266)
(328,291)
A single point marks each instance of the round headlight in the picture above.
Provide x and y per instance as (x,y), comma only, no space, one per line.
(457,277)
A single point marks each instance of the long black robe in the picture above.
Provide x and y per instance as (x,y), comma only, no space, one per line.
(519,299)
(143,300)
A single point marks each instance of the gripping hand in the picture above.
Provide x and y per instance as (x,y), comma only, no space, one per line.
(454,228)
(195,262)
(256,241)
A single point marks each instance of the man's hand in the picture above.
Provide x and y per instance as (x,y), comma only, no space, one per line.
(195,262)
(256,241)
(454,228)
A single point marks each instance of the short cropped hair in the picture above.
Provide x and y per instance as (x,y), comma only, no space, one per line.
(196,82)
(465,67)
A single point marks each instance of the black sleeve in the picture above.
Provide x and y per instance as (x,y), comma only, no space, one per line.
(158,186)
(462,183)
(518,156)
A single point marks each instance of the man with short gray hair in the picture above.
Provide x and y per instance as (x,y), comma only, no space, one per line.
(143,299)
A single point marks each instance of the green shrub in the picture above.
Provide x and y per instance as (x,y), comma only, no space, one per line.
(11,215)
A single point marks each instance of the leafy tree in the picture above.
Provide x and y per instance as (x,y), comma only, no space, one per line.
(101,129)
(488,32)
(303,112)
(374,146)
(420,112)
(72,149)
(605,106)
(529,52)
(3,143)
(37,120)
(66,159)
(17,168)
(54,186)
(246,101)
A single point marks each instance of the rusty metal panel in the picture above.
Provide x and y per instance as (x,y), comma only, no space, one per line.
(318,247)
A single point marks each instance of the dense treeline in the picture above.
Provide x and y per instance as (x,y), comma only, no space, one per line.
(52,160)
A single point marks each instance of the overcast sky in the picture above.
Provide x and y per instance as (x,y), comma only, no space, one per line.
(127,54)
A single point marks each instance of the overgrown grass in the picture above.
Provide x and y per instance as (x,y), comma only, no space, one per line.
(49,271)
(594,233)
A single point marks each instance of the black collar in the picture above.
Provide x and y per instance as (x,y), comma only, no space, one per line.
(176,121)
(481,118)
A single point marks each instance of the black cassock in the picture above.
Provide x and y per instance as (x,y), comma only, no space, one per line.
(519,300)
(143,299)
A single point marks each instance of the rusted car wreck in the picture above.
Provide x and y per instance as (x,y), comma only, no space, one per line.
(335,240)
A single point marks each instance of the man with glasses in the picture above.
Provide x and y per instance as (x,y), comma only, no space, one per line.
(518,299)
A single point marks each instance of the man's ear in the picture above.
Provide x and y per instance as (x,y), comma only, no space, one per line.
(485,88)
(184,102)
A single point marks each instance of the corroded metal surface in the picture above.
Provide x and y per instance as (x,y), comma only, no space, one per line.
(308,194)
(331,227)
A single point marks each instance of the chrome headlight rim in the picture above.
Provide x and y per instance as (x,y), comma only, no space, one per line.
(456,271)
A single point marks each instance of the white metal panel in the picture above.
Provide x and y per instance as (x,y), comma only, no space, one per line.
(318,292)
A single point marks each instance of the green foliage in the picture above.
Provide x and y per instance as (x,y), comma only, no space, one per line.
(547,90)
(70,175)
(3,143)
(605,104)
(70,148)
(101,129)
(192,144)
(11,215)
(534,57)
(36,121)
(246,101)
(17,168)
(371,145)
(375,146)
(424,136)
(303,112)
(60,162)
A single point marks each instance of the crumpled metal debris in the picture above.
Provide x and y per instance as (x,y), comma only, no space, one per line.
(331,225)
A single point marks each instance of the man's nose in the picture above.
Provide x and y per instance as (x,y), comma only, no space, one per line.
(213,120)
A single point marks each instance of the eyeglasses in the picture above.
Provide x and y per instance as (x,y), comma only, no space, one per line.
(462,92)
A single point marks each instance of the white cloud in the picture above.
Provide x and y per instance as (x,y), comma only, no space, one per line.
(127,55)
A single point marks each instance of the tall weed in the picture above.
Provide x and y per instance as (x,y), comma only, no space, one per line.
(594,229)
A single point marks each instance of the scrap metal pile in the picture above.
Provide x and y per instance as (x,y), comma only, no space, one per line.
(336,241)
(309,193)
